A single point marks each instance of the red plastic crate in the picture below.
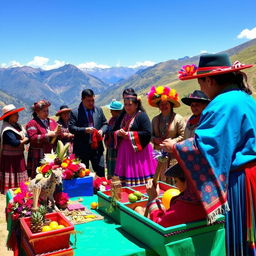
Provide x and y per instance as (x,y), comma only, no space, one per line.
(51,240)
(124,194)
(162,186)
(29,251)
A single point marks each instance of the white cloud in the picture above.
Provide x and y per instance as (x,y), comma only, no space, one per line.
(42,62)
(203,51)
(38,61)
(146,63)
(3,65)
(91,65)
(248,34)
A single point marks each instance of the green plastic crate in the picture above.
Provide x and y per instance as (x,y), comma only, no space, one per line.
(192,239)
(104,203)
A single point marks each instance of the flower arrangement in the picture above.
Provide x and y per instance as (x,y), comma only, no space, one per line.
(71,166)
(21,204)
(162,93)
(187,70)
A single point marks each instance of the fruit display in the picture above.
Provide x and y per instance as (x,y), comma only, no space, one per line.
(135,196)
(52,226)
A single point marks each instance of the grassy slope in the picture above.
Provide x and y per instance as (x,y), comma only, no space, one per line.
(247,56)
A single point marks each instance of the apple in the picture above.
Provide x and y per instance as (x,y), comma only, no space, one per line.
(138,194)
(132,198)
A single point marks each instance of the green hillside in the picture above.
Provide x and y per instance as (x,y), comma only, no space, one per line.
(246,56)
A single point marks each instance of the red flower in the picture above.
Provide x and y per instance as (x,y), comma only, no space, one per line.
(74,167)
(15,216)
(68,175)
(46,168)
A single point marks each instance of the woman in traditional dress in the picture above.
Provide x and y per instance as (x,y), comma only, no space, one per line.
(41,131)
(115,108)
(13,137)
(135,164)
(220,161)
(167,124)
(197,102)
(64,118)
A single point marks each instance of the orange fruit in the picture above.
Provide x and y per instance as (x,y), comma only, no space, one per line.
(94,205)
(82,173)
(46,228)
(87,172)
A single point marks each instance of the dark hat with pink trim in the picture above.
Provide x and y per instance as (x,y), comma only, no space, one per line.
(210,65)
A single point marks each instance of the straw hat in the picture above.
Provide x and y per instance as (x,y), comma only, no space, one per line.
(63,109)
(9,110)
(210,65)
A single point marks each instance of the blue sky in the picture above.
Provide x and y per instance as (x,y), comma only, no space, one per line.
(50,33)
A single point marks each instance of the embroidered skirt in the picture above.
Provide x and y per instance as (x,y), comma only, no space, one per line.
(12,172)
(134,168)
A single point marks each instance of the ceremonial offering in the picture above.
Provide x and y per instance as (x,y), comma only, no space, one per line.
(56,238)
(81,216)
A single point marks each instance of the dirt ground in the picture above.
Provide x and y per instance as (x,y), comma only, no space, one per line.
(3,230)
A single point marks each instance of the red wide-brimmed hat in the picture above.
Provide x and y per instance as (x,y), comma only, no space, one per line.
(9,110)
(210,65)
(63,109)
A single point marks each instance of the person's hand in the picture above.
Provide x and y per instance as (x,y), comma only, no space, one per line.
(140,210)
(58,131)
(51,134)
(122,133)
(89,130)
(167,145)
(157,141)
(100,132)
(71,135)
(152,191)
(24,140)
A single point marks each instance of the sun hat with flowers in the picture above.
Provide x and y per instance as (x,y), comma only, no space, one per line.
(163,93)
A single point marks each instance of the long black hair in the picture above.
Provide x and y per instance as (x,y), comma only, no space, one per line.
(239,78)
(130,94)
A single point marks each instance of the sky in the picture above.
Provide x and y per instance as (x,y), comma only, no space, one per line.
(106,33)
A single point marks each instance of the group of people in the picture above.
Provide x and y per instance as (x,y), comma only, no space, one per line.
(215,149)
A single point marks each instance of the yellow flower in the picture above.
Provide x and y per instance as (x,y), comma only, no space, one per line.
(159,89)
(172,93)
(17,191)
(64,165)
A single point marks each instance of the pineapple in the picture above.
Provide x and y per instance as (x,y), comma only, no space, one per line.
(43,210)
(37,222)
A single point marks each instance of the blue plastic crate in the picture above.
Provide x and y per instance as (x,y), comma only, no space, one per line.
(79,186)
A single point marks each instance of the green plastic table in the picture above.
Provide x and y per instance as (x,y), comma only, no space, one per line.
(105,237)
(102,237)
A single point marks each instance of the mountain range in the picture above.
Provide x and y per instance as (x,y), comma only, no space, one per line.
(23,86)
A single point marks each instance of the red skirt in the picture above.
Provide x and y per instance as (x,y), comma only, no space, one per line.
(12,172)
